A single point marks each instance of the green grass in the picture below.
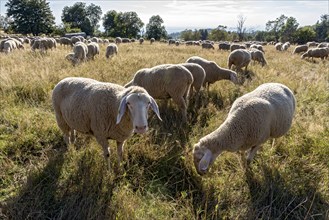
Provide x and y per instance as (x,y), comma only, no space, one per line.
(41,178)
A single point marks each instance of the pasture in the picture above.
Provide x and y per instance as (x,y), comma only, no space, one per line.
(41,178)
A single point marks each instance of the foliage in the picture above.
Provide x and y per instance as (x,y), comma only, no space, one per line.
(305,34)
(322,28)
(274,27)
(155,29)
(83,17)
(240,28)
(123,24)
(30,16)
(288,30)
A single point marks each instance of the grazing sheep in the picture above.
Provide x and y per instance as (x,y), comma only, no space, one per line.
(264,113)
(166,81)
(300,49)
(317,53)
(80,51)
(171,41)
(278,46)
(224,46)
(92,107)
(126,40)
(118,40)
(312,44)
(257,46)
(198,74)
(141,40)
(111,50)
(285,46)
(236,46)
(65,41)
(75,39)
(70,57)
(9,46)
(177,43)
(207,46)
(214,73)
(323,44)
(152,40)
(240,58)
(257,55)
(93,50)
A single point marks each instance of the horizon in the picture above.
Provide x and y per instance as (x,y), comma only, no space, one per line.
(181,15)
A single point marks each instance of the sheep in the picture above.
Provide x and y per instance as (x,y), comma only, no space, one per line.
(300,49)
(213,71)
(177,43)
(323,44)
(258,56)
(278,46)
(9,46)
(312,44)
(152,40)
(198,74)
(92,107)
(207,46)
(126,40)
(93,50)
(257,46)
(141,40)
(236,46)
(166,81)
(224,46)
(240,58)
(111,49)
(118,40)
(264,113)
(317,53)
(285,46)
(65,41)
(171,41)
(80,50)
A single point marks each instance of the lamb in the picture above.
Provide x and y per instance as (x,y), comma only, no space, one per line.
(240,58)
(300,49)
(258,56)
(93,50)
(166,81)
(264,113)
(317,53)
(207,46)
(111,50)
(92,107)
(214,73)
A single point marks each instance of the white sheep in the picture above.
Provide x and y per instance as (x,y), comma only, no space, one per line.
(236,46)
(80,51)
(93,50)
(9,46)
(257,46)
(285,46)
(257,55)
(264,113)
(278,46)
(300,49)
(239,58)
(111,49)
(317,53)
(152,40)
(214,72)
(92,107)
(198,74)
(164,82)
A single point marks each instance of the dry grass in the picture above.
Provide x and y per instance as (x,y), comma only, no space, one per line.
(41,179)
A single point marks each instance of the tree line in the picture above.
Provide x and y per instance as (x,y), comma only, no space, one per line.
(35,17)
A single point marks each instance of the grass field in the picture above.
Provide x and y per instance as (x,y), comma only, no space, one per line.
(40,178)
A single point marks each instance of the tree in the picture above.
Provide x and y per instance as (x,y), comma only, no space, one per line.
(30,16)
(322,28)
(126,24)
(288,30)
(305,34)
(241,30)
(155,29)
(218,34)
(204,34)
(81,16)
(274,27)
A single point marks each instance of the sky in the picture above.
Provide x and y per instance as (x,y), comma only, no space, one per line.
(180,15)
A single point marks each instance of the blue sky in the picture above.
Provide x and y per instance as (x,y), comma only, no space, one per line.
(179,15)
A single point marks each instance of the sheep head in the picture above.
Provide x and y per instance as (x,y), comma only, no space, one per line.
(202,158)
(138,105)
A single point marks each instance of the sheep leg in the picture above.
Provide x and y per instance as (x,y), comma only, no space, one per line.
(72,136)
(106,151)
(64,127)
(120,146)
(252,153)
(182,106)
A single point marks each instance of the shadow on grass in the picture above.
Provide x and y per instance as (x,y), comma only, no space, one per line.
(82,191)
(274,198)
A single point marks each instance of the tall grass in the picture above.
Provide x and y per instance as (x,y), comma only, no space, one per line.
(41,178)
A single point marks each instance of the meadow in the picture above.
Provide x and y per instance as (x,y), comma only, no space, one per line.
(41,178)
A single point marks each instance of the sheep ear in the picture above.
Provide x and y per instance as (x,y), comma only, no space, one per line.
(155,108)
(122,109)
(205,161)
